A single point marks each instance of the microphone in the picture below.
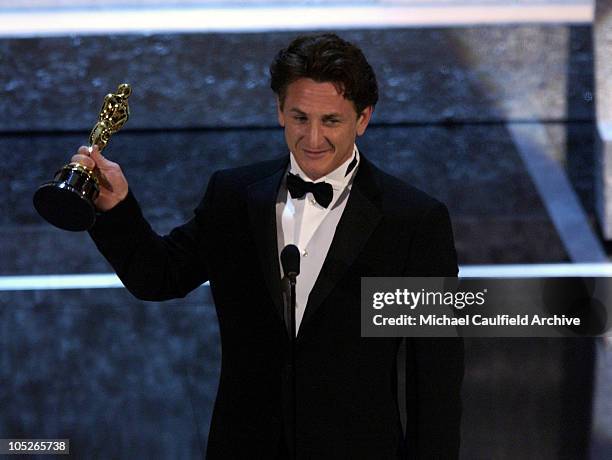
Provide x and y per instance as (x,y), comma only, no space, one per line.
(290,260)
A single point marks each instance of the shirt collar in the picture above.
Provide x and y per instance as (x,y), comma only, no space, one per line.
(338,178)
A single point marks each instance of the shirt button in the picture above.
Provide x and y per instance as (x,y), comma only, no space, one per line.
(304,253)
(313,201)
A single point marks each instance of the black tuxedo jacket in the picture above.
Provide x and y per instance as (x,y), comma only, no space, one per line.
(346,385)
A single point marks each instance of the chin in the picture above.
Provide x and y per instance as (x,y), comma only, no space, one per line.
(314,172)
(312,167)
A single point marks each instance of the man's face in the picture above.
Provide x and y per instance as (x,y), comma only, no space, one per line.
(320,125)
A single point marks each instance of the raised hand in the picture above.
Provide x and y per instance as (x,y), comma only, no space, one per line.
(113,184)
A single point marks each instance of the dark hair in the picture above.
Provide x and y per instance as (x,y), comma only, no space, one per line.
(326,58)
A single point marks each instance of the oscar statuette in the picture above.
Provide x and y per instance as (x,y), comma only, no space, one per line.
(67,201)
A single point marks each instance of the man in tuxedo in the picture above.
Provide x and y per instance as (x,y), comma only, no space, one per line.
(348,219)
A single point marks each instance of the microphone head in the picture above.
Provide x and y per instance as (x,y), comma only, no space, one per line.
(290,260)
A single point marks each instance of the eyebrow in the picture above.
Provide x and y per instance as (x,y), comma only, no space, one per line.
(327,116)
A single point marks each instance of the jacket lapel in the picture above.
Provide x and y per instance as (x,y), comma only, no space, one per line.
(262,215)
(359,219)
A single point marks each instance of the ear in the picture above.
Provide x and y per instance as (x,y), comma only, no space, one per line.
(279,112)
(363,119)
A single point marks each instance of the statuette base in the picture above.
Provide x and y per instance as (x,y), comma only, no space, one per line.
(67,200)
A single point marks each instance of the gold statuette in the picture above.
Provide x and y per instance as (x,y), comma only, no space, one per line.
(68,200)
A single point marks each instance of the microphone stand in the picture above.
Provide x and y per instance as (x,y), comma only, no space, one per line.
(293,398)
(290,260)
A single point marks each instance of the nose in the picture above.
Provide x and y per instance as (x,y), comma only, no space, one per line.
(314,136)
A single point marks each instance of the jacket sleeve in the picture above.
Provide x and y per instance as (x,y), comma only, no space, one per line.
(154,267)
(434,366)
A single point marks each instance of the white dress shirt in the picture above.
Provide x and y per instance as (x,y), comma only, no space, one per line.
(310,226)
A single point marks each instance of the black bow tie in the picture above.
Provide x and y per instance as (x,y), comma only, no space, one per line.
(322,191)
